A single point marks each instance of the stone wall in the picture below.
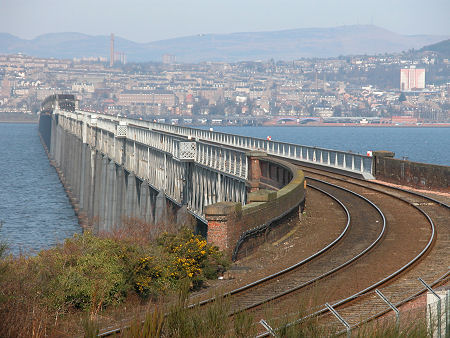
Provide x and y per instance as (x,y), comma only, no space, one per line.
(413,174)
(230,224)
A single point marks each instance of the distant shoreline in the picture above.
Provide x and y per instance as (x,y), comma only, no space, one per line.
(431,125)
(17,117)
(21,122)
(440,125)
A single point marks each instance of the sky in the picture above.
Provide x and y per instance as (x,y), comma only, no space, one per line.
(152,20)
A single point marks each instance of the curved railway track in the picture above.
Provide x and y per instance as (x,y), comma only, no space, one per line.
(402,246)
(335,256)
(365,305)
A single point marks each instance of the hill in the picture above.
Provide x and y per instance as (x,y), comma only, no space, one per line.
(280,45)
(442,48)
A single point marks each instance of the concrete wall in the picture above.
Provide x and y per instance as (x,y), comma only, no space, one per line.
(413,174)
(235,228)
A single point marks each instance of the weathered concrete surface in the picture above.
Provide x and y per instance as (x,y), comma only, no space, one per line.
(262,195)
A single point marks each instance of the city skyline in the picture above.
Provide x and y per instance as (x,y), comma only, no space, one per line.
(147,21)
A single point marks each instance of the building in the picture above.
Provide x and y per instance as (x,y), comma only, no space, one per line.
(412,79)
(168,59)
(5,90)
(134,97)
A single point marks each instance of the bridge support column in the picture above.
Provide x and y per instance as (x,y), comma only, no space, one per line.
(85,184)
(103,195)
(161,209)
(83,170)
(120,196)
(91,156)
(184,218)
(145,205)
(98,194)
(223,229)
(110,197)
(131,196)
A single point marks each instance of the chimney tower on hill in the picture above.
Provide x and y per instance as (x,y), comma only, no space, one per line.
(111,52)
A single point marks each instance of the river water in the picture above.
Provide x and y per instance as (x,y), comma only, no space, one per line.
(36,213)
(34,208)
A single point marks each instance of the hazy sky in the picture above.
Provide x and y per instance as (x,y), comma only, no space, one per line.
(150,20)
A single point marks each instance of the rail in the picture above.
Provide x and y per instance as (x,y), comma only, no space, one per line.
(387,278)
(340,267)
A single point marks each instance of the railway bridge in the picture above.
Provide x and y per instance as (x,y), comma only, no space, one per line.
(235,187)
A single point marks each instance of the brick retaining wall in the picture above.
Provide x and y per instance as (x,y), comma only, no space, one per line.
(229,221)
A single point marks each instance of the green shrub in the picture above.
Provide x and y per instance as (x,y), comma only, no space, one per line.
(86,272)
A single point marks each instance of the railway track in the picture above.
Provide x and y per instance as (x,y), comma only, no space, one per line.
(431,263)
(373,266)
(362,269)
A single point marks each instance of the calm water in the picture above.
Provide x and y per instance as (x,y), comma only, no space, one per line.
(34,208)
(36,213)
(429,145)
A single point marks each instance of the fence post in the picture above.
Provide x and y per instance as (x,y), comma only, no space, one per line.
(438,306)
(342,320)
(392,306)
(267,327)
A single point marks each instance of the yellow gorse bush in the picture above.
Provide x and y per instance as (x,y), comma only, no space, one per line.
(182,256)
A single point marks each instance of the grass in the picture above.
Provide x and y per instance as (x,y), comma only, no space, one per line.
(214,321)
(177,320)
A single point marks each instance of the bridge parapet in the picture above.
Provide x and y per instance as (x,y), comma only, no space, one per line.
(333,159)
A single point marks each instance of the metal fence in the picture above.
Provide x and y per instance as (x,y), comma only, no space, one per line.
(347,161)
(226,160)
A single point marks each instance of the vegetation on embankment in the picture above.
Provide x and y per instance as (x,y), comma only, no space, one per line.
(88,274)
